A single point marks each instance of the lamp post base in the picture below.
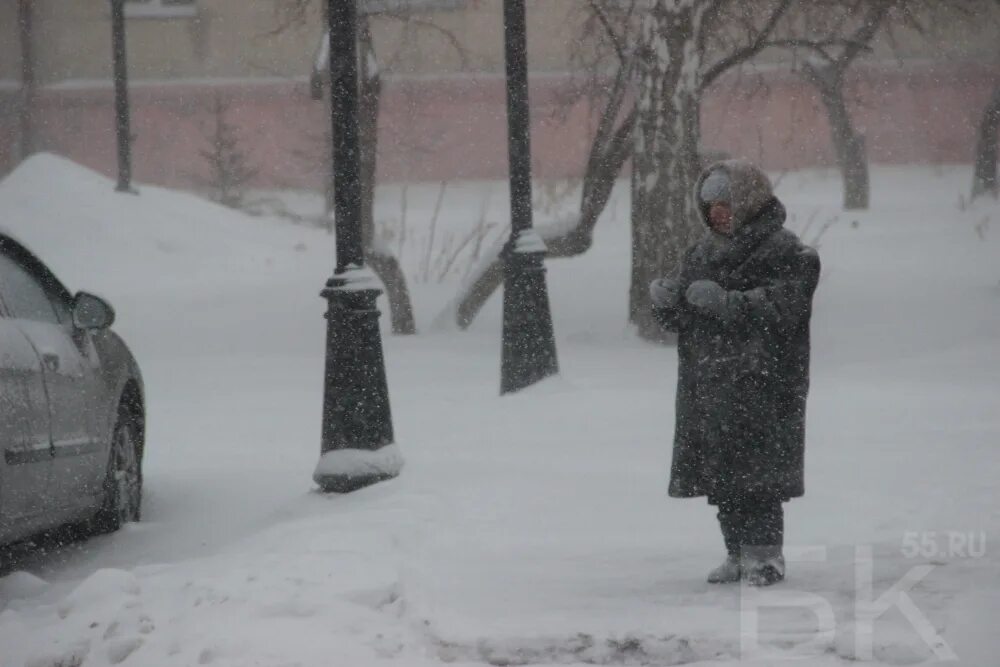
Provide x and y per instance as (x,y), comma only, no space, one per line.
(357,441)
(344,484)
(529,345)
(346,470)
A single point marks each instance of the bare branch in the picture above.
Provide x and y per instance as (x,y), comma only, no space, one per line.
(756,45)
(616,40)
(861,39)
(819,47)
(288,13)
(711,17)
(448,35)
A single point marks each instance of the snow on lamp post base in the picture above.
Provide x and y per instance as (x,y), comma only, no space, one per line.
(357,440)
(346,470)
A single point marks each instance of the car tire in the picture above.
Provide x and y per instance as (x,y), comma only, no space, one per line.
(123,481)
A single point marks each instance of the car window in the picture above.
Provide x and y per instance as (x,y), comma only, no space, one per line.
(23,294)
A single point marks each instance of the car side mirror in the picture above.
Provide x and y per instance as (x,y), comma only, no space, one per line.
(92,312)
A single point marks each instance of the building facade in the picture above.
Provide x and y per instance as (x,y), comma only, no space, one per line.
(443,105)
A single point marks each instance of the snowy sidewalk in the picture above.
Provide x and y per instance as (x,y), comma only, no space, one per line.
(526,544)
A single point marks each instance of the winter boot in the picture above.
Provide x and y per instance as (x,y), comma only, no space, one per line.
(727,573)
(762,566)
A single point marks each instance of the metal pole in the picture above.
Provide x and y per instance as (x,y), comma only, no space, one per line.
(357,438)
(25,23)
(529,350)
(122,120)
(518,123)
(344,118)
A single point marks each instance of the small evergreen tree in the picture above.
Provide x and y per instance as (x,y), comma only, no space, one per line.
(229,169)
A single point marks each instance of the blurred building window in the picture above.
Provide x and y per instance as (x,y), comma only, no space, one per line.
(160,8)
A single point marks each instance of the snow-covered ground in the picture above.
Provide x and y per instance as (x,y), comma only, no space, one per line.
(533,528)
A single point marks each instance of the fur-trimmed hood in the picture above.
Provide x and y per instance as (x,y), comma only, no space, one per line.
(750,190)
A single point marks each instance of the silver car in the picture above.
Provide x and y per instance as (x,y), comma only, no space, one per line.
(72,415)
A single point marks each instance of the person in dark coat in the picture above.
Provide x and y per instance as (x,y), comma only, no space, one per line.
(741,307)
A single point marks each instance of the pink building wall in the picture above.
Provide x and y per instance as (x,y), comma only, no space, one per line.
(456,129)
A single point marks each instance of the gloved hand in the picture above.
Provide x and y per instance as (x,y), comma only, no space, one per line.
(709,297)
(665,292)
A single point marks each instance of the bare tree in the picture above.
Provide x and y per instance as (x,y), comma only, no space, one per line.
(984,180)
(835,45)
(229,169)
(839,31)
(984,177)
(609,23)
(835,51)
(380,258)
(836,34)
(684,46)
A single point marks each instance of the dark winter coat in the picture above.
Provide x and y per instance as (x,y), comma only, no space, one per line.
(743,378)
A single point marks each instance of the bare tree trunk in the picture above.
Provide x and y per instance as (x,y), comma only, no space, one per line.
(330,181)
(829,81)
(665,161)
(25,26)
(369,98)
(381,260)
(848,143)
(320,75)
(984,179)
(608,154)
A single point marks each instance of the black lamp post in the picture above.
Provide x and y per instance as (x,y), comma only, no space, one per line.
(357,441)
(122,121)
(529,347)
(25,26)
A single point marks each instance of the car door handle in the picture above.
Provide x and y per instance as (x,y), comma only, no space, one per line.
(51,362)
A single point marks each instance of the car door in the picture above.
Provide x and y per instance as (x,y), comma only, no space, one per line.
(71,373)
(25,445)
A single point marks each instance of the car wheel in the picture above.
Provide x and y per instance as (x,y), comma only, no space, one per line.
(123,482)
